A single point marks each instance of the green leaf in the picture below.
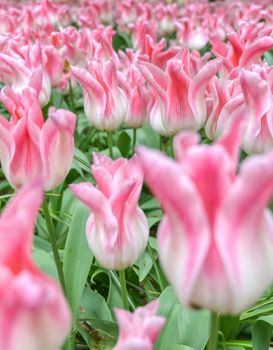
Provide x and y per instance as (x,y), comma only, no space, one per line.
(80,161)
(114,295)
(147,136)
(269,57)
(178,347)
(230,326)
(197,320)
(124,143)
(42,244)
(121,42)
(262,332)
(77,258)
(45,262)
(145,264)
(56,98)
(180,323)
(94,306)
(151,203)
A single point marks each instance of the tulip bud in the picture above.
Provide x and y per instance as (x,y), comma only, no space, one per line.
(34,314)
(29,147)
(117,229)
(215,241)
(105,103)
(139,330)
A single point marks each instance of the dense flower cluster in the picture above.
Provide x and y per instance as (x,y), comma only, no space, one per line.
(198,71)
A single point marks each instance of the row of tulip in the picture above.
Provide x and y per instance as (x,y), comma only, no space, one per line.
(68,89)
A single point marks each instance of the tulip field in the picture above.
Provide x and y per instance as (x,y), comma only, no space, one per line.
(136,178)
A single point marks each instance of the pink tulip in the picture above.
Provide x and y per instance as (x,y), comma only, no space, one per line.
(117,229)
(244,47)
(34,314)
(253,105)
(139,330)
(138,99)
(24,67)
(166,16)
(215,242)
(180,102)
(30,147)
(191,35)
(105,103)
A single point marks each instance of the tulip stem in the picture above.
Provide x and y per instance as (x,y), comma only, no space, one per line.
(51,232)
(159,279)
(171,147)
(124,295)
(71,95)
(213,339)
(134,140)
(110,143)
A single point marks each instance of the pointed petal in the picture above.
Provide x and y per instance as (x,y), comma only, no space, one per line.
(197,89)
(17,223)
(183,236)
(254,51)
(26,163)
(7,147)
(244,232)
(57,146)
(94,96)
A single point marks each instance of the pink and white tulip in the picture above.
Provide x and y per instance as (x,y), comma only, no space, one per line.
(105,102)
(30,147)
(138,100)
(139,330)
(117,229)
(215,242)
(34,314)
(180,102)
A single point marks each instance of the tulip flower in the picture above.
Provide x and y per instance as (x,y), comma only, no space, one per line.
(105,103)
(34,314)
(117,229)
(180,102)
(139,330)
(29,146)
(137,113)
(215,242)
(254,106)
(26,68)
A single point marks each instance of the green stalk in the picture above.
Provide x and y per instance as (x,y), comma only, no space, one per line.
(124,295)
(213,339)
(51,232)
(159,279)
(134,140)
(171,146)
(70,343)
(71,95)
(110,143)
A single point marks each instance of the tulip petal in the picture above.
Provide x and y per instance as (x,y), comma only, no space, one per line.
(16,225)
(156,78)
(57,146)
(244,232)
(94,96)
(183,236)
(197,89)
(254,51)
(94,200)
(14,72)
(256,92)
(179,114)
(7,147)
(34,314)
(26,163)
